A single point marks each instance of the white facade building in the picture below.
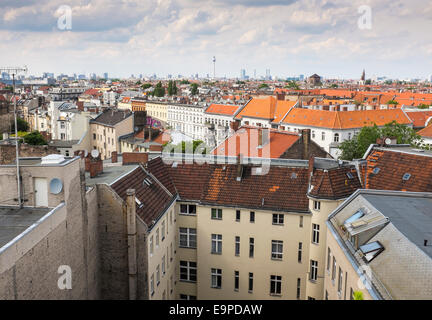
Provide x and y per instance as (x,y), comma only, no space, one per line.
(188,119)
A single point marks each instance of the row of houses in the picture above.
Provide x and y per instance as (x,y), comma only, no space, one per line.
(170,228)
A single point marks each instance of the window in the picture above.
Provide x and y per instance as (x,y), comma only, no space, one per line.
(336,137)
(251,247)
(328,259)
(299,256)
(298,287)
(163,265)
(238,215)
(151,245)
(171,250)
(311,298)
(188,238)
(340,281)
(277,250)
(158,275)
(62,124)
(216,214)
(152,284)
(315,233)
(314,270)
(323,136)
(326,295)
(216,278)
(188,209)
(237,246)
(334,269)
(236,280)
(163,230)
(216,247)
(301,222)
(157,238)
(351,294)
(250,285)
(313,134)
(252,216)
(188,270)
(349,135)
(278,219)
(317,205)
(275,285)
(62,136)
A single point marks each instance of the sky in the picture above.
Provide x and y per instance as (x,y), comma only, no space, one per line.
(335,39)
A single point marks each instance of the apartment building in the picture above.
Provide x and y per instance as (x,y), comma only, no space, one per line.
(222,251)
(66,93)
(138,104)
(157,110)
(52,235)
(330,128)
(188,119)
(264,112)
(106,129)
(378,245)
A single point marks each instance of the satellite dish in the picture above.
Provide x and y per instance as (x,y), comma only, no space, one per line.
(95,153)
(387,141)
(56,186)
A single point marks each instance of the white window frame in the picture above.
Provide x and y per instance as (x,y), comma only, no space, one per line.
(278,219)
(276,249)
(315,233)
(216,244)
(216,277)
(276,283)
(190,236)
(313,276)
(188,268)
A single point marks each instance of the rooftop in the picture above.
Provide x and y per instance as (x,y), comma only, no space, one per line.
(14,221)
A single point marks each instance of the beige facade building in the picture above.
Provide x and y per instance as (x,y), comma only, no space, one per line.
(106,129)
(157,110)
(378,245)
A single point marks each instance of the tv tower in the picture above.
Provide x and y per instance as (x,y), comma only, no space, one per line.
(214,67)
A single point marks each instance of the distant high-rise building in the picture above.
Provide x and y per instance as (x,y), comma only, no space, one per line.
(242,74)
(363,77)
(268,76)
(105,75)
(430,78)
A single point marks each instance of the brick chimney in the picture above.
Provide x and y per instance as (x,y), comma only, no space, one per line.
(93,169)
(260,137)
(134,157)
(306,139)
(80,105)
(114,158)
(234,125)
(87,163)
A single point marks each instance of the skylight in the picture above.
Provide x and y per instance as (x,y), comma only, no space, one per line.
(376,170)
(406,176)
(371,250)
(293,175)
(349,175)
(354,217)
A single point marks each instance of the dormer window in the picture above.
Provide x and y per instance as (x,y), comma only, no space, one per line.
(371,250)
(354,217)
(406,177)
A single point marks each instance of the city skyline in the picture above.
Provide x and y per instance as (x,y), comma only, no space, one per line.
(180,37)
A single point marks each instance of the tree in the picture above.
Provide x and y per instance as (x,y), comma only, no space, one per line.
(263,85)
(35,138)
(368,81)
(184,82)
(392,102)
(172,88)
(146,86)
(159,91)
(21,124)
(357,146)
(194,88)
(292,85)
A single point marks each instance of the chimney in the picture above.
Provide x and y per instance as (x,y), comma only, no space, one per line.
(131,238)
(87,163)
(235,125)
(93,169)
(80,105)
(306,138)
(260,137)
(311,166)
(239,167)
(114,156)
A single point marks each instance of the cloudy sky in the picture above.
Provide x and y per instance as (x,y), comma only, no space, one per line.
(289,37)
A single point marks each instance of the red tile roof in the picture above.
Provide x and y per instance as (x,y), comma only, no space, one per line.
(268,108)
(245,141)
(222,109)
(392,167)
(344,119)
(426,132)
(419,118)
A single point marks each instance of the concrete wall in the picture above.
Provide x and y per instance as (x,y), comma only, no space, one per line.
(65,238)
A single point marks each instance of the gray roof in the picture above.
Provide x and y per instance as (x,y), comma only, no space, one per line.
(412,216)
(14,221)
(63,143)
(111,117)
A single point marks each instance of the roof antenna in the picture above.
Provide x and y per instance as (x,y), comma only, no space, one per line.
(14,71)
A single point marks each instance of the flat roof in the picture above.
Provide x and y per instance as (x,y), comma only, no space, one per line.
(411,215)
(14,221)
